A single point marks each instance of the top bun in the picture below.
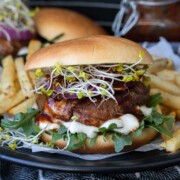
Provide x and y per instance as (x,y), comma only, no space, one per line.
(99,49)
(50,22)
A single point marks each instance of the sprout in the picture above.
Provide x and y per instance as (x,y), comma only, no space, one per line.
(89,80)
(135,77)
(41,144)
(71,68)
(16,15)
(58,68)
(74,118)
(140,72)
(103,93)
(47,92)
(34,141)
(80,95)
(16,139)
(128,78)
(120,68)
(90,93)
(49,144)
(39,73)
(83,75)
(141,54)
(13,146)
(1,129)
(70,79)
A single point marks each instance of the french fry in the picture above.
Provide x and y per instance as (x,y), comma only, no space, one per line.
(32,77)
(7,103)
(165,110)
(172,144)
(177,79)
(34,45)
(158,65)
(178,114)
(164,85)
(22,107)
(170,64)
(172,114)
(168,74)
(8,76)
(24,81)
(2,97)
(17,85)
(169,100)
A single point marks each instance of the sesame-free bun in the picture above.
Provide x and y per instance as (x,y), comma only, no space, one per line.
(50,22)
(106,147)
(100,49)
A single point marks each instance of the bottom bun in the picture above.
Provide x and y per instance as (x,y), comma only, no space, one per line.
(106,147)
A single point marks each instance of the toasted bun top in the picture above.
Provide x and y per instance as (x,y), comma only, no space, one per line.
(99,49)
(50,22)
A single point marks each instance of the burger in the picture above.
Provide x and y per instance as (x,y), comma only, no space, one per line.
(92,95)
(16,26)
(65,24)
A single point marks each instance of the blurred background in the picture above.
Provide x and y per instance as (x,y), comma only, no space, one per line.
(139,20)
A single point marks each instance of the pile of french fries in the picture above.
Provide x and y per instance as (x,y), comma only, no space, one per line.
(15,87)
(165,80)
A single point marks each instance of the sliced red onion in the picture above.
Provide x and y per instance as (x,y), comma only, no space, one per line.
(14,34)
(70,96)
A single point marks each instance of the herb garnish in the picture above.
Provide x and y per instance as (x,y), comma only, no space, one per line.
(24,121)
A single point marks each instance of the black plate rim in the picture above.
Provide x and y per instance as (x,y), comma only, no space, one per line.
(8,155)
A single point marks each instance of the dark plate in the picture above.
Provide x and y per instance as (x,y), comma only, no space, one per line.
(130,162)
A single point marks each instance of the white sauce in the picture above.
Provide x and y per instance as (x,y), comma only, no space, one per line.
(129,124)
(76,127)
(118,122)
(48,125)
(126,124)
(145,110)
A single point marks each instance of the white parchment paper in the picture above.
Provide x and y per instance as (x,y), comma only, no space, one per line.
(161,49)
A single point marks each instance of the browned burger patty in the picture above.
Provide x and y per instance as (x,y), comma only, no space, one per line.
(94,114)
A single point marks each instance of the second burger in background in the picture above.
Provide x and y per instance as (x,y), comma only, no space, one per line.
(52,22)
(16,26)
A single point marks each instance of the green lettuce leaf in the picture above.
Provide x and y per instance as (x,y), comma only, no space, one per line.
(62,129)
(159,122)
(56,136)
(92,141)
(138,132)
(76,141)
(120,141)
(61,134)
(154,100)
(23,121)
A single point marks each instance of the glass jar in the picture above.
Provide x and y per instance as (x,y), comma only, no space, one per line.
(157,18)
